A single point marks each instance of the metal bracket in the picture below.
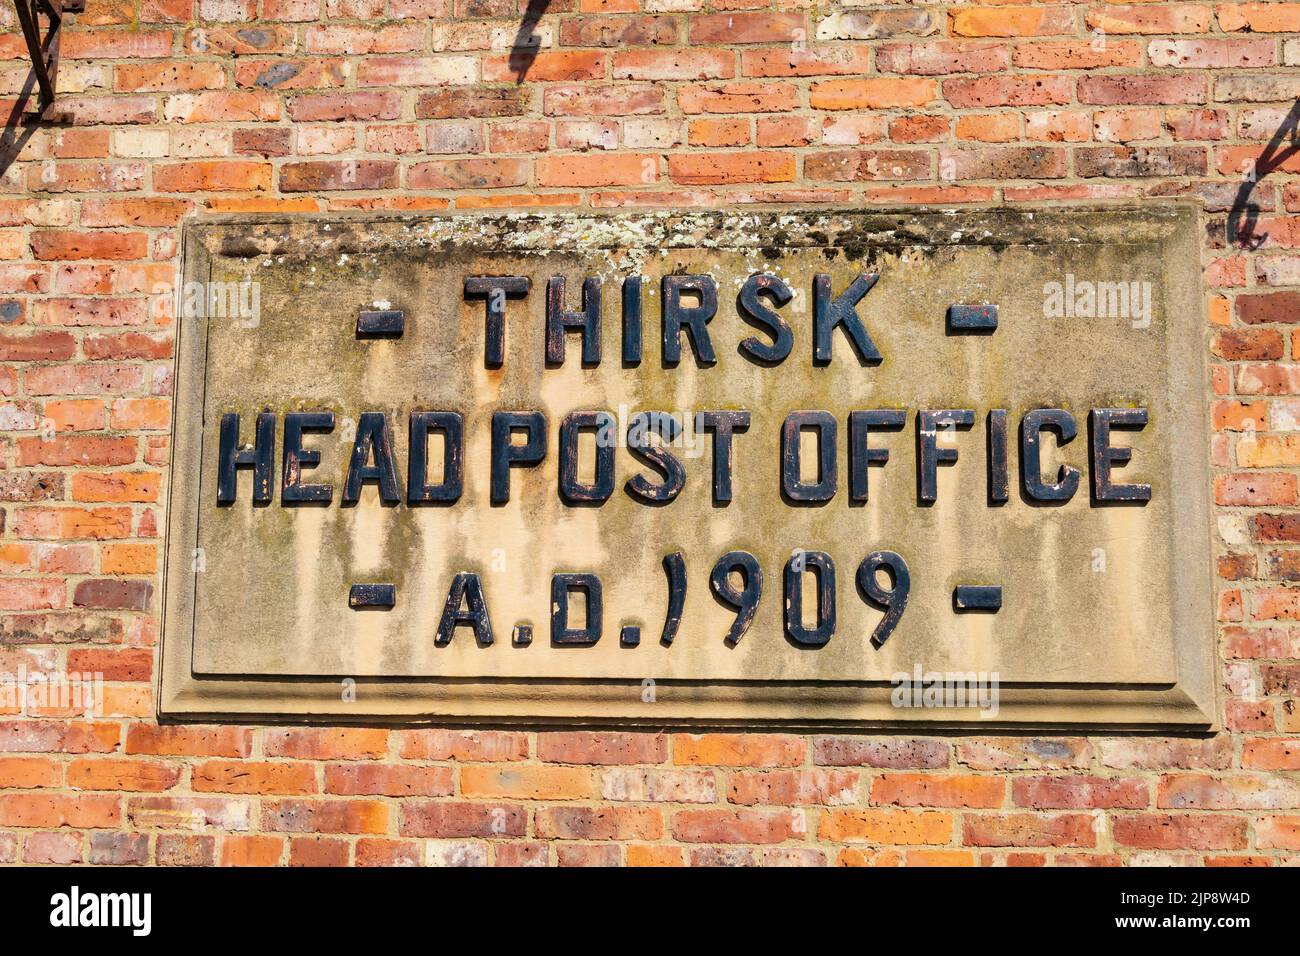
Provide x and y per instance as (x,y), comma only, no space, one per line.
(45,52)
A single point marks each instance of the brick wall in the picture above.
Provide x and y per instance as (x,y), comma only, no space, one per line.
(181,108)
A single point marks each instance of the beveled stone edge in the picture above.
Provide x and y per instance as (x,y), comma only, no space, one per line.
(1190,705)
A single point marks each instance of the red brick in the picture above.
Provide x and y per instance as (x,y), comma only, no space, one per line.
(409,71)
(357,40)
(1010,21)
(127,664)
(598,823)
(455,818)
(47,736)
(345,174)
(1146,18)
(1168,831)
(251,850)
(874,93)
(529,854)
(116,486)
(1003,162)
(36,347)
(189,741)
(325,816)
(29,773)
(63,245)
(318,851)
(246,776)
(933,790)
(794,787)
(178,849)
(585,747)
(389,780)
(1278,832)
(119,849)
(1256,308)
(462,745)
(181,75)
(56,810)
(748,28)
(1242,792)
(868,165)
(579,854)
(620,32)
(347,107)
(739,98)
(1271,754)
(888,826)
(1204,54)
(468,174)
(624,169)
(61,848)
(528,782)
(1114,89)
(76,450)
(680,64)
(732,167)
(738,750)
(546,67)
(735,826)
(1029,753)
(1029,829)
(372,852)
(115,44)
(326,744)
(118,774)
(211,176)
(1078,793)
(1076,55)
(938,58)
(615,100)
(819,61)
(987,91)
(1259,17)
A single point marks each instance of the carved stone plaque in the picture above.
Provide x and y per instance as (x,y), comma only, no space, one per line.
(771,468)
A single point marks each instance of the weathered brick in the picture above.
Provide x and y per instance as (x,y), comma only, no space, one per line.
(1029,829)
(584,747)
(389,780)
(1170,831)
(935,790)
(326,744)
(189,741)
(84,811)
(531,782)
(455,818)
(736,826)
(793,787)
(246,776)
(888,826)
(325,816)
(599,823)
(1078,793)
(462,745)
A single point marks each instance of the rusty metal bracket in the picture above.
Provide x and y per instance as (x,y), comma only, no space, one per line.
(45,51)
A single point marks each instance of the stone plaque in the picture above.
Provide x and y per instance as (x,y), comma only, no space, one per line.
(724,469)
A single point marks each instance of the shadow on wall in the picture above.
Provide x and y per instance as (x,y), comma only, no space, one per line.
(526,43)
(1284,144)
(17,131)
